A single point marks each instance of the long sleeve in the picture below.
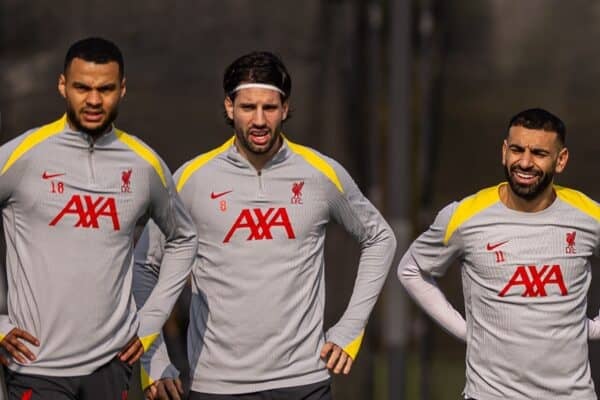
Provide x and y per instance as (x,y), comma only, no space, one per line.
(377,246)
(180,246)
(424,290)
(429,256)
(155,362)
(10,177)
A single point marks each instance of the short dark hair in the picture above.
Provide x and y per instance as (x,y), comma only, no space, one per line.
(538,118)
(257,67)
(96,50)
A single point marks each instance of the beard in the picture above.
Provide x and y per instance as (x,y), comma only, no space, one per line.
(528,192)
(250,147)
(75,120)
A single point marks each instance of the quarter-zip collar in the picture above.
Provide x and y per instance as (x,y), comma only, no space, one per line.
(104,138)
(236,158)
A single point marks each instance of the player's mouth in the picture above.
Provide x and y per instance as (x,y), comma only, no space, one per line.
(92,116)
(259,137)
(528,177)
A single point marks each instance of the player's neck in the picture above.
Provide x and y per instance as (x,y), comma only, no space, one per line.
(259,160)
(518,203)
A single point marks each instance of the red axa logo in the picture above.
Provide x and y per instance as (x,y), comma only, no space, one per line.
(297,191)
(533,280)
(570,249)
(258,224)
(126,181)
(89,210)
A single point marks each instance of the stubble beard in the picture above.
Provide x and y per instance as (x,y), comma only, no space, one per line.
(75,120)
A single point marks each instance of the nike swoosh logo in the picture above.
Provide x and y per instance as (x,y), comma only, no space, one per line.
(214,195)
(491,247)
(46,175)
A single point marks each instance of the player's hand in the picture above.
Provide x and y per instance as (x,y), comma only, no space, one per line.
(14,344)
(164,389)
(132,351)
(338,361)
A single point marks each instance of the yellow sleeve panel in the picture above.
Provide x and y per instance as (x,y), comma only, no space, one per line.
(471,206)
(145,378)
(199,161)
(34,139)
(317,162)
(354,346)
(144,152)
(579,200)
(148,340)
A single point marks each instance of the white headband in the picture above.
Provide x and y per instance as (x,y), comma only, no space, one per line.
(259,86)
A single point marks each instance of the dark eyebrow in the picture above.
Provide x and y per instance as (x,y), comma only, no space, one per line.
(108,86)
(535,150)
(516,147)
(80,85)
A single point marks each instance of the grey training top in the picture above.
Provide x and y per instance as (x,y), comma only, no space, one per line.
(258,293)
(70,206)
(525,279)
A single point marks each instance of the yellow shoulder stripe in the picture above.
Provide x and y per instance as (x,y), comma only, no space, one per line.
(469,207)
(579,201)
(354,346)
(145,378)
(34,139)
(199,161)
(148,340)
(316,161)
(142,151)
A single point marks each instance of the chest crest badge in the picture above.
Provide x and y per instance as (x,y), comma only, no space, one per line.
(297,192)
(570,238)
(126,181)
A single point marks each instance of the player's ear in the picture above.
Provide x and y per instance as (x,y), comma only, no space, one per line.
(504,150)
(561,161)
(123,87)
(228,103)
(62,84)
(286,107)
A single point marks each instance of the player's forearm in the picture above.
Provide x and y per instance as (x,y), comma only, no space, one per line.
(376,257)
(423,289)
(175,268)
(176,262)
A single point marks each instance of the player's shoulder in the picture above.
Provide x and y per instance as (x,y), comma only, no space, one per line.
(579,201)
(190,167)
(459,212)
(328,167)
(143,152)
(18,147)
(478,201)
